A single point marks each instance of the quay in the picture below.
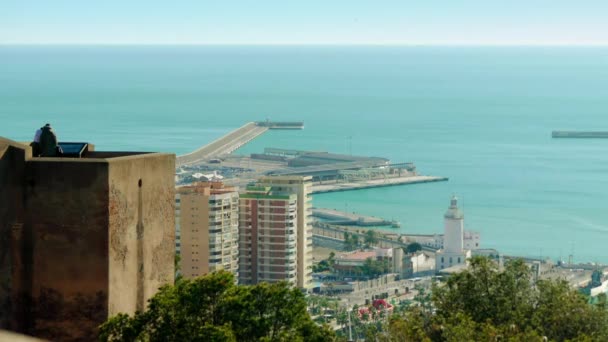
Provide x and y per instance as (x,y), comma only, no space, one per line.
(343,218)
(232,141)
(580,134)
(319,188)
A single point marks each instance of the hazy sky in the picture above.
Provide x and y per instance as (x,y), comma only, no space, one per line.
(499,22)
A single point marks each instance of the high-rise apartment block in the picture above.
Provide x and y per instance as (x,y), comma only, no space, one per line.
(276,231)
(207,223)
(268,237)
(82,238)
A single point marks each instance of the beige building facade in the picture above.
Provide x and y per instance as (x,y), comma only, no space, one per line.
(207,226)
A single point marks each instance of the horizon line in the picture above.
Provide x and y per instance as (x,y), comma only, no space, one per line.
(319,44)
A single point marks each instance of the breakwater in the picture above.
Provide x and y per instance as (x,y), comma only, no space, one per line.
(580,134)
(233,140)
(374,183)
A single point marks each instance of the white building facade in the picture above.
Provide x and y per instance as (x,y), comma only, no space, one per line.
(454,251)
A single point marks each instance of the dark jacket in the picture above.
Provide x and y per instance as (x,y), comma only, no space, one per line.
(48,142)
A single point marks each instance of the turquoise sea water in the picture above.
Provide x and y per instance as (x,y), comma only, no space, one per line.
(481,116)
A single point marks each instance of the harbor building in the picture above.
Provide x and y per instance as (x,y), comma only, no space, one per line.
(268,236)
(83,237)
(208,227)
(301,186)
(453,252)
(471,240)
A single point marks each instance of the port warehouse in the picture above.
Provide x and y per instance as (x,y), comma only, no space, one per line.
(325,166)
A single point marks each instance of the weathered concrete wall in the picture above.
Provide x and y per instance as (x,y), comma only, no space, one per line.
(67,222)
(82,239)
(142,229)
(12,165)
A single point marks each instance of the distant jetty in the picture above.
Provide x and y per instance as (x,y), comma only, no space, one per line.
(280,125)
(580,134)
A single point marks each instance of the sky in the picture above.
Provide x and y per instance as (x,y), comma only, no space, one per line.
(378,22)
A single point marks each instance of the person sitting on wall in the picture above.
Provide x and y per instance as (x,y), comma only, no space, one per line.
(36,144)
(48,142)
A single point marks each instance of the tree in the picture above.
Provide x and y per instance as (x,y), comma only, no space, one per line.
(177,263)
(348,242)
(370,238)
(351,241)
(332,259)
(413,248)
(213,308)
(484,303)
(373,268)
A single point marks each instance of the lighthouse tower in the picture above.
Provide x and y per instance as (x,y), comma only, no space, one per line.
(453,237)
(453,252)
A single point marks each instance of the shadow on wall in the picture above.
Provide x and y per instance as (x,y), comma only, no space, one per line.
(78,313)
(11,168)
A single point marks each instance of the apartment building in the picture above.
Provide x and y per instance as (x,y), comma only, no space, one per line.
(207,228)
(268,237)
(273,214)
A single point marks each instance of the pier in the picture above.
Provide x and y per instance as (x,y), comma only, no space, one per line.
(280,125)
(347,219)
(233,140)
(580,134)
(319,188)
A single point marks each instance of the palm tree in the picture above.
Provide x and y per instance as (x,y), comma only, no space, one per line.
(370,238)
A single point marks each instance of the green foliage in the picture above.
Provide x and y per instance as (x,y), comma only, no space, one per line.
(177,263)
(484,303)
(371,238)
(213,308)
(325,265)
(322,266)
(413,248)
(373,268)
(351,241)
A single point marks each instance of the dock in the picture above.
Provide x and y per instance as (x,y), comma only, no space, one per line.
(347,219)
(233,140)
(580,134)
(320,188)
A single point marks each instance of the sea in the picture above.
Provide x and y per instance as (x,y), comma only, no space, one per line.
(481,116)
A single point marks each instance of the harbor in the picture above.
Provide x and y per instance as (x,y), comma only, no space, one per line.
(330,172)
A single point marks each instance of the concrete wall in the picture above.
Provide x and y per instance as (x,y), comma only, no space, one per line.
(65,241)
(141,229)
(81,239)
(12,166)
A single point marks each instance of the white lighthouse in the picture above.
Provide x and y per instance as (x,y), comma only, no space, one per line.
(453,252)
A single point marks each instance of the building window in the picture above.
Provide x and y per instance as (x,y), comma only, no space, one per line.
(459,260)
(450,260)
(442,261)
